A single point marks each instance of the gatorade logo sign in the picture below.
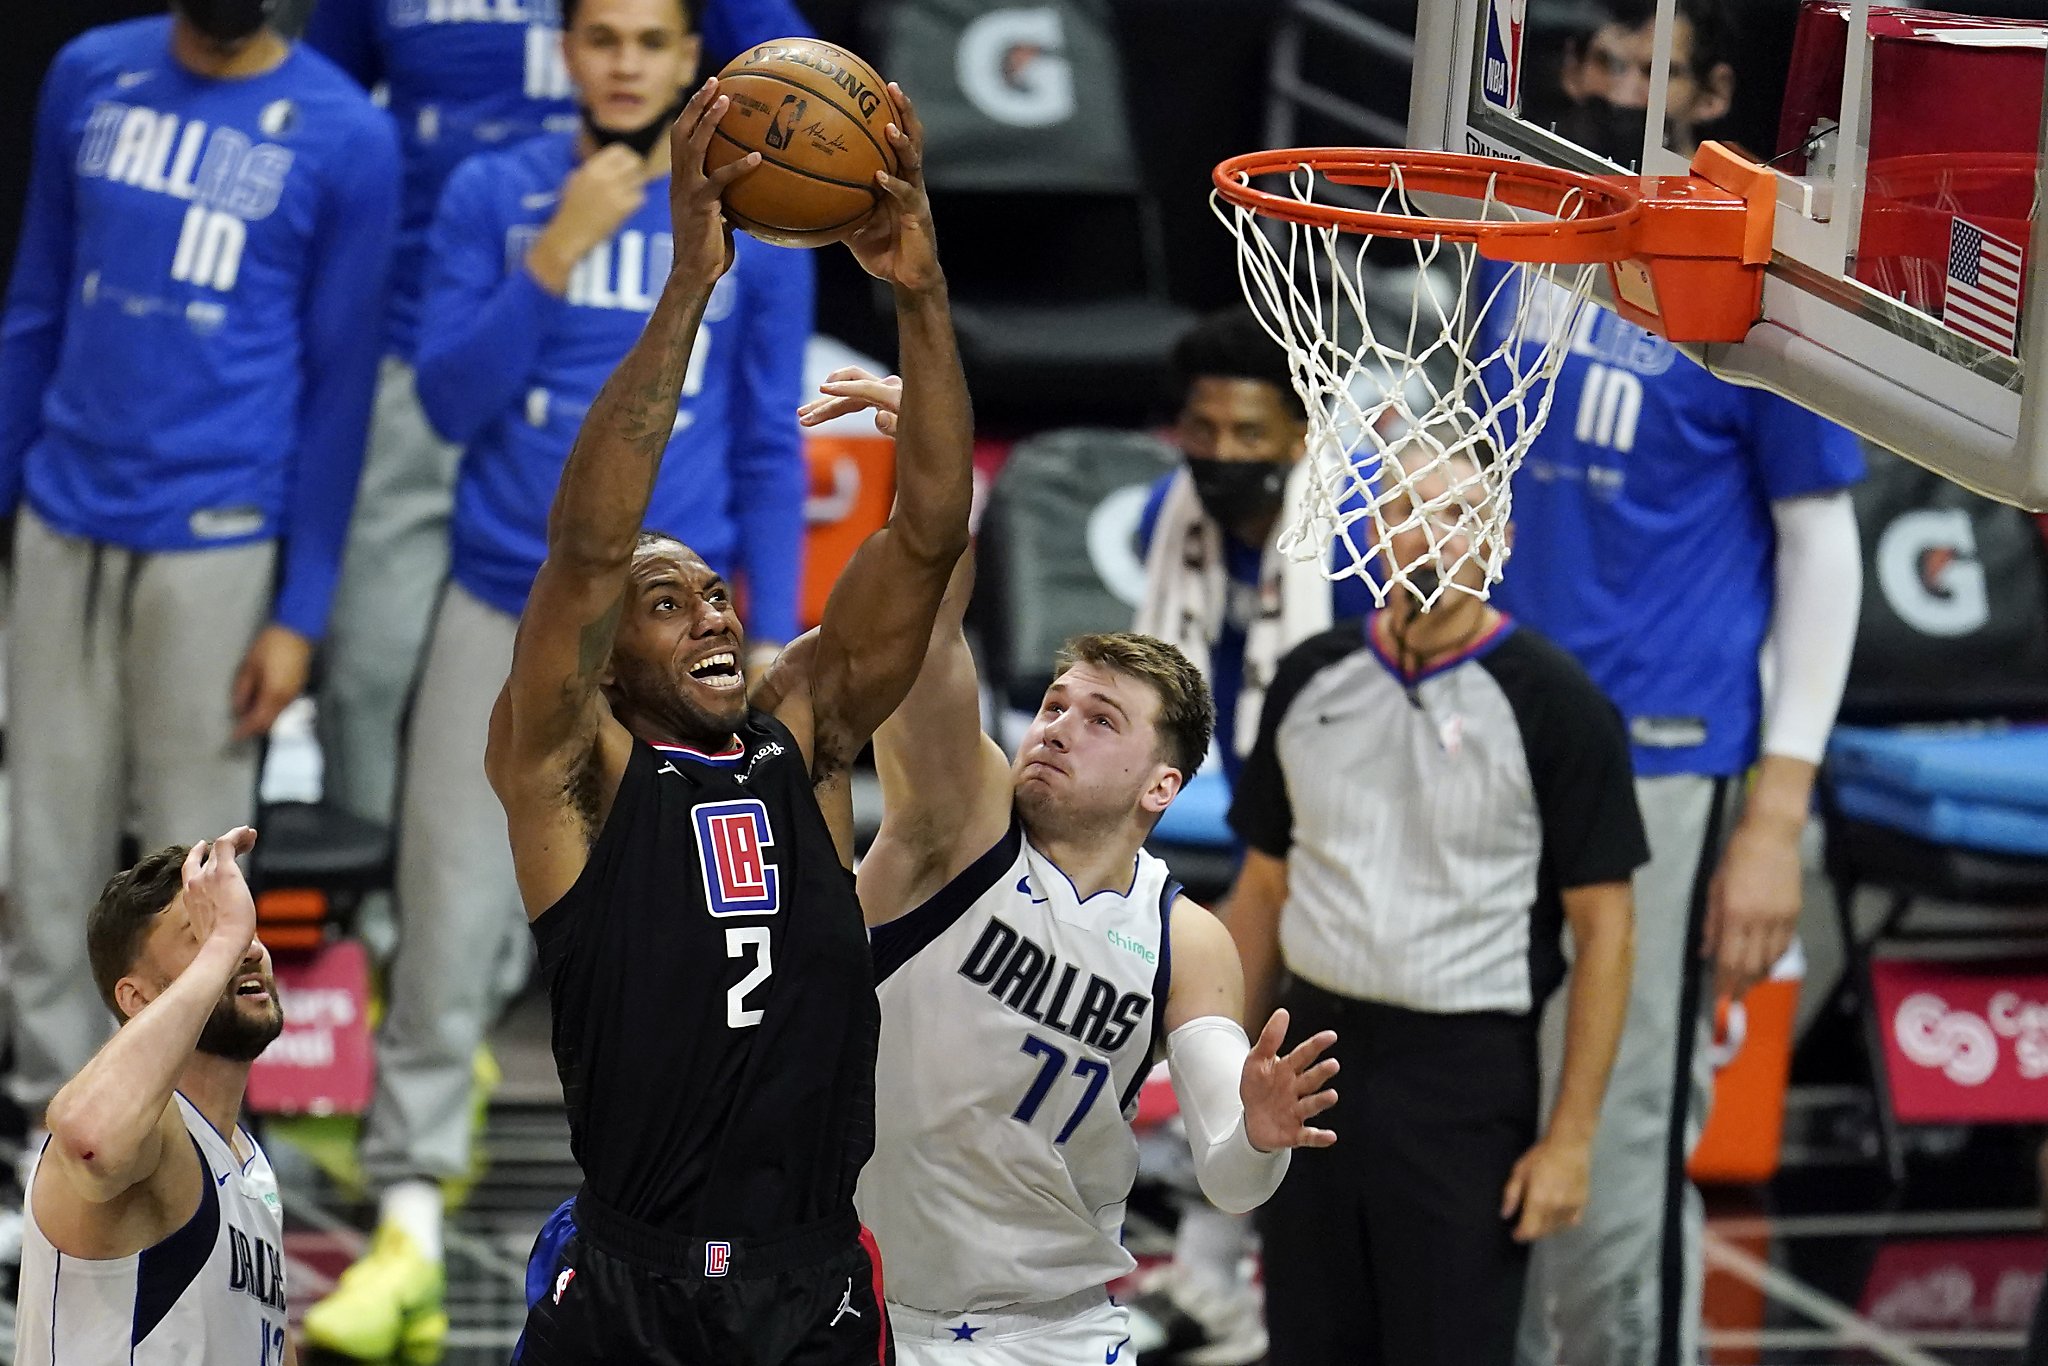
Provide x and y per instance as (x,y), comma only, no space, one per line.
(1500,74)
(1928,570)
(1112,539)
(1012,65)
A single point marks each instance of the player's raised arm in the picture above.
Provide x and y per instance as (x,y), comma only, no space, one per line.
(551,705)
(946,791)
(108,1125)
(878,621)
(945,782)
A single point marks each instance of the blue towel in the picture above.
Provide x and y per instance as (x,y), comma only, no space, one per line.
(2006,768)
(1984,826)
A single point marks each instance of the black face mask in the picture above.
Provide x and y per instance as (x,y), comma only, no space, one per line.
(642,139)
(227,21)
(1608,130)
(1238,492)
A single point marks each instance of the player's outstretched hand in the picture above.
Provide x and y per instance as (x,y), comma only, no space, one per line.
(217,897)
(851,389)
(703,239)
(1281,1094)
(897,244)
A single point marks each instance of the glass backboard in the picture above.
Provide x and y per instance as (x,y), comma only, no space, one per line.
(1907,149)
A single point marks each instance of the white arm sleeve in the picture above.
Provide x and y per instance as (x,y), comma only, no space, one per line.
(1206,1057)
(1816,602)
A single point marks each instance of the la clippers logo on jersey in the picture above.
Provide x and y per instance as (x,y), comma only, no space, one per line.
(717,1258)
(732,843)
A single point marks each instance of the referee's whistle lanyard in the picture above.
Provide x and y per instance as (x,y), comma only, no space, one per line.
(1407,662)
(1392,631)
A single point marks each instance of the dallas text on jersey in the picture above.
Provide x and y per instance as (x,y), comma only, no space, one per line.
(1017,972)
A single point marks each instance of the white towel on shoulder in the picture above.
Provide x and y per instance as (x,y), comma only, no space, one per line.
(1187,592)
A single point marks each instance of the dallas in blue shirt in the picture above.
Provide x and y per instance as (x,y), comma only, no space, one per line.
(1644,537)
(190,337)
(528,310)
(469,76)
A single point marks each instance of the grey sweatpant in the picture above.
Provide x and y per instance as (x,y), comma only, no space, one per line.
(459,912)
(1623,1288)
(119,666)
(391,575)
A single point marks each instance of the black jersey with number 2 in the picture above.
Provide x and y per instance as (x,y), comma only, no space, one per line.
(714,1007)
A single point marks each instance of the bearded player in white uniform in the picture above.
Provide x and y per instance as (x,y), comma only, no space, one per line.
(154,1235)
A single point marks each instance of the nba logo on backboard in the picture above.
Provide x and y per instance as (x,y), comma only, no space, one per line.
(717,1258)
(732,843)
(1500,78)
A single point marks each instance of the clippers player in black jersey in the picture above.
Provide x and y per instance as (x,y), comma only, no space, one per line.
(685,858)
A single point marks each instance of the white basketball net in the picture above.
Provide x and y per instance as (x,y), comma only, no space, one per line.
(1403,436)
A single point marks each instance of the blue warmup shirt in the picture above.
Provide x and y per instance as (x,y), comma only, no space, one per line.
(508,371)
(1644,542)
(469,76)
(190,339)
(1349,598)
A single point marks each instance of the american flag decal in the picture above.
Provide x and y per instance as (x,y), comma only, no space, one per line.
(717,1258)
(1984,279)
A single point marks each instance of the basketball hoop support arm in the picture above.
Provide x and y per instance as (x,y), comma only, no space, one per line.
(1695,272)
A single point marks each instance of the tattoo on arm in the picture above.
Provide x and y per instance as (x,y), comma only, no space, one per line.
(595,646)
(609,475)
(646,414)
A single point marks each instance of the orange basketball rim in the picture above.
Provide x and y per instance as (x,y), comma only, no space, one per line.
(1684,255)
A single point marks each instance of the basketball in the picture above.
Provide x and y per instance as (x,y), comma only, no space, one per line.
(815,113)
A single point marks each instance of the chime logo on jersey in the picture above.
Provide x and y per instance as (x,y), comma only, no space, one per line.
(732,843)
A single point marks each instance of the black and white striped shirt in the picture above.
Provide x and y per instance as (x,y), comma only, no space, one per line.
(1429,823)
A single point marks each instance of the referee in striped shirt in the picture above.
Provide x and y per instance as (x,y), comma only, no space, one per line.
(1431,799)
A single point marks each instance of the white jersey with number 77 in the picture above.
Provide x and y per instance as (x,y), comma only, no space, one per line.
(1018,1023)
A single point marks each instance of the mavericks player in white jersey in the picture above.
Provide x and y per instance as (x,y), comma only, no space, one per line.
(154,1234)
(1032,962)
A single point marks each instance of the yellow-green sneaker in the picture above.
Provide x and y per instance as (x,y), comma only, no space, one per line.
(389,1302)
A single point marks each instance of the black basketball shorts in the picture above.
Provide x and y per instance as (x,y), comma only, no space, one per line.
(605,1291)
